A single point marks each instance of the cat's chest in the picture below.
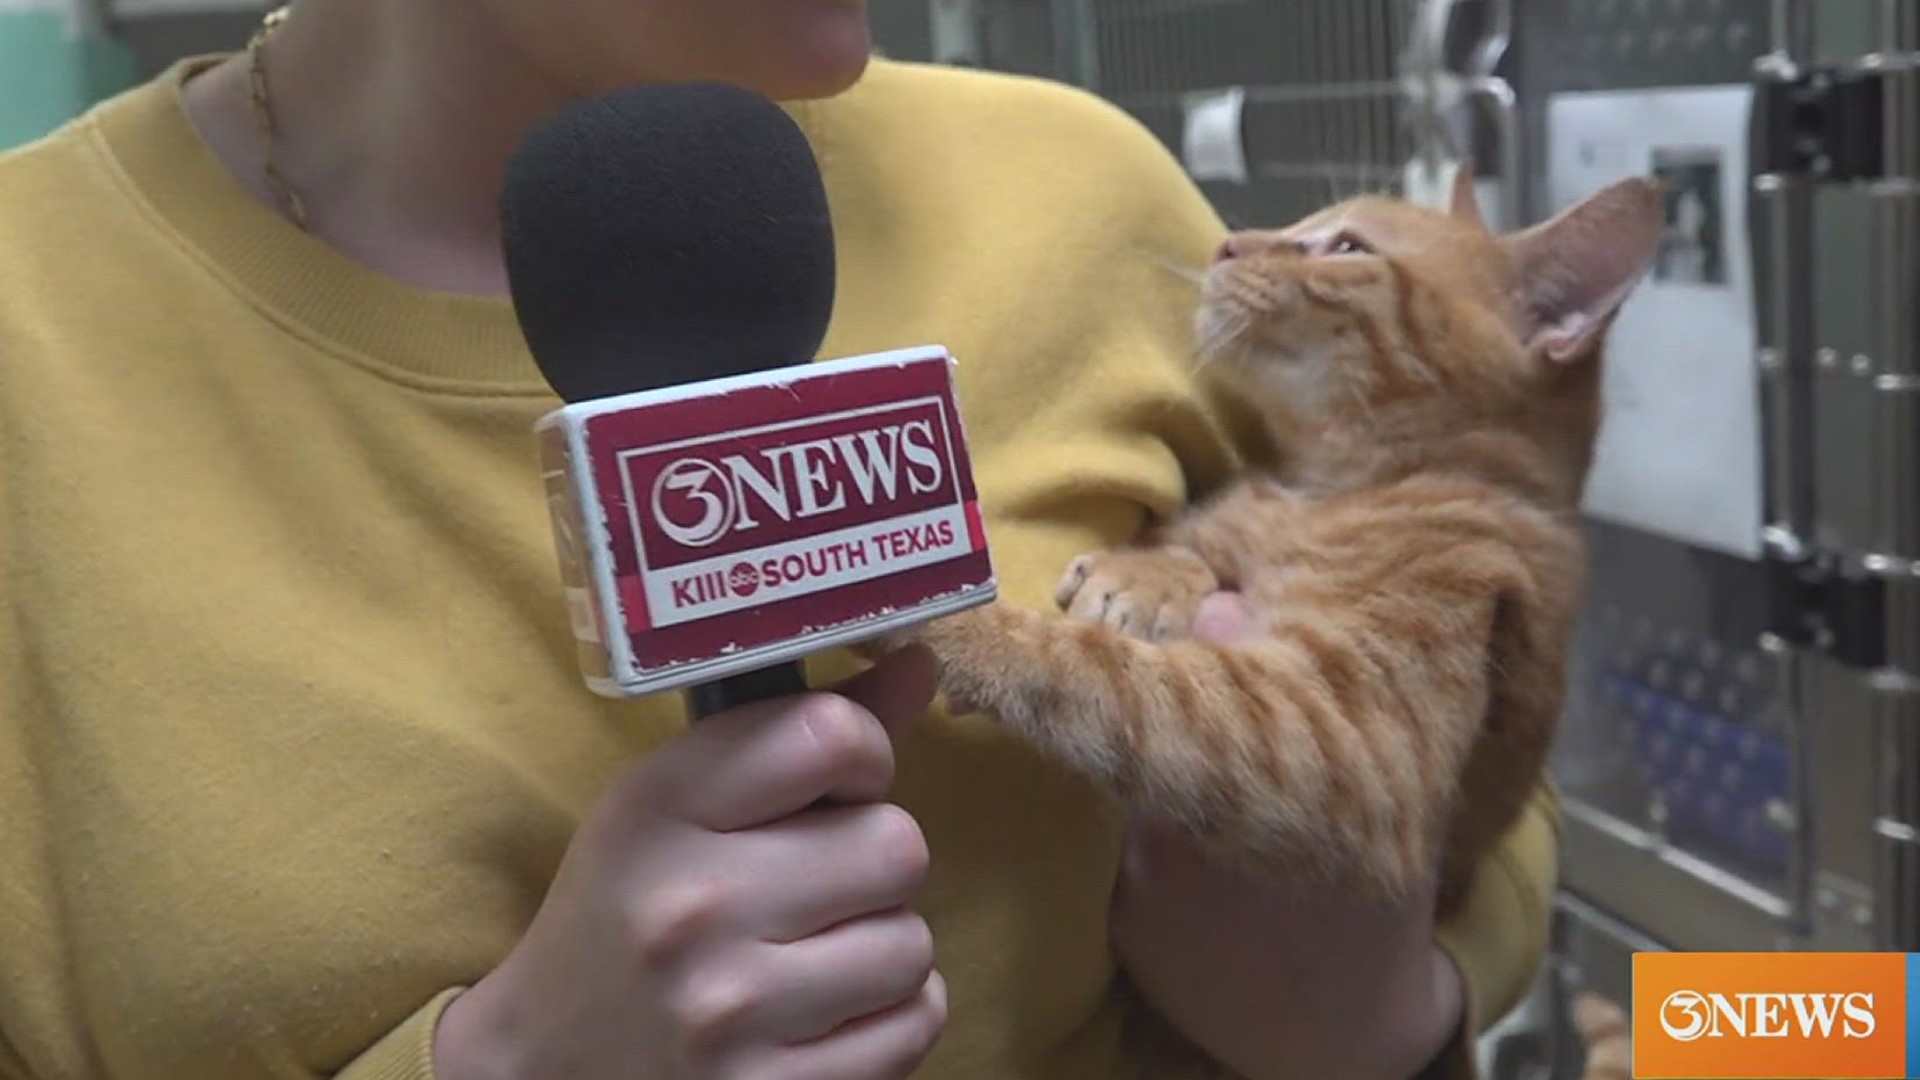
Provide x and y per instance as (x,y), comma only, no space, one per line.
(1300,540)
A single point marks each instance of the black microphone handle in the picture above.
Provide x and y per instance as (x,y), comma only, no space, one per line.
(780,680)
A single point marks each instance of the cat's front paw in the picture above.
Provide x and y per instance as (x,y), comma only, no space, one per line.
(1148,593)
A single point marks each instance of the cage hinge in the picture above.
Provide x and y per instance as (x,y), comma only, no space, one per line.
(1820,604)
(1822,123)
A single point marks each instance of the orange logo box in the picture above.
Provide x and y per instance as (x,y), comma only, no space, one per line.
(1770,1016)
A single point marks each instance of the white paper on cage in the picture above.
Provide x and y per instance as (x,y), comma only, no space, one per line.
(1212,145)
(1680,452)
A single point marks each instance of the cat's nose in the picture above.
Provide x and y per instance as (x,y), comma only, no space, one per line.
(1248,244)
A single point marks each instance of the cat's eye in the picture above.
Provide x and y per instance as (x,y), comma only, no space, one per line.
(1348,244)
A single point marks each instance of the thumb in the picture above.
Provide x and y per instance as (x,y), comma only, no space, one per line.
(1223,618)
(897,689)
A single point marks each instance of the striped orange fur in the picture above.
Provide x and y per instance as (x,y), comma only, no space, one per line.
(1413,564)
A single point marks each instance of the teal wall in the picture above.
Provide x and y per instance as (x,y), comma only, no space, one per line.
(48,74)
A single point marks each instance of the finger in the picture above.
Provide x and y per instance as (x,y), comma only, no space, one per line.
(860,968)
(1223,617)
(898,689)
(762,762)
(818,869)
(885,1046)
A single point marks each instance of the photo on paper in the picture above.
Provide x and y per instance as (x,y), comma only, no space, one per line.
(1680,453)
(1693,247)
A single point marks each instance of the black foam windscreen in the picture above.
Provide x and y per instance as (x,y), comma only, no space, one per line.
(667,234)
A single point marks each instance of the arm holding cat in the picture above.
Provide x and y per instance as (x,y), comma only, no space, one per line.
(1280,981)
(1284,982)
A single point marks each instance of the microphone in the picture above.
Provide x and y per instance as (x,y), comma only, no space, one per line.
(722,504)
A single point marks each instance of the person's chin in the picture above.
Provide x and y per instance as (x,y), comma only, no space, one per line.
(826,52)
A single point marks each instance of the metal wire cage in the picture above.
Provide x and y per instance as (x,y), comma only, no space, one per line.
(1738,764)
(1337,93)
(1324,115)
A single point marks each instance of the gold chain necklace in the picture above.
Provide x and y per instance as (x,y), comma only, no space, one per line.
(289,199)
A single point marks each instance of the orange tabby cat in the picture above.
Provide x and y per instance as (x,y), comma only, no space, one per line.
(1413,569)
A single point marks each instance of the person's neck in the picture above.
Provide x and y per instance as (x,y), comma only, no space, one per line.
(394,123)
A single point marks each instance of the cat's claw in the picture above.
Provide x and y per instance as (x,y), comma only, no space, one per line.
(1070,582)
(1147,593)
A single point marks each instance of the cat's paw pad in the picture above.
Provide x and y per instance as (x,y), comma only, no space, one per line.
(1148,593)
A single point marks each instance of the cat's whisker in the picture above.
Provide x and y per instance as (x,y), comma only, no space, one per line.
(1366,408)
(1217,337)
(1413,364)
(1210,354)
(1185,273)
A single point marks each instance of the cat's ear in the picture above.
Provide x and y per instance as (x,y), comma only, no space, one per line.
(1575,271)
(1466,197)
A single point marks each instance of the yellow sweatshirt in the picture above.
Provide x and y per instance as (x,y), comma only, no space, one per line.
(291,730)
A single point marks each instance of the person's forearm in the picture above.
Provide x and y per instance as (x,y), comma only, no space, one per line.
(1279,986)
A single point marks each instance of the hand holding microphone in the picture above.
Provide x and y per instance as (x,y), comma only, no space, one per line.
(737,904)
(713,919)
